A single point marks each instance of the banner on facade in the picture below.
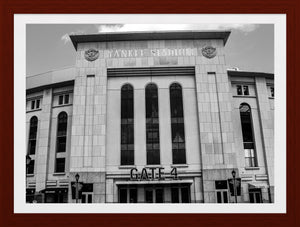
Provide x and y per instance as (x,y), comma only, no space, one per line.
(237,186)
(73,186)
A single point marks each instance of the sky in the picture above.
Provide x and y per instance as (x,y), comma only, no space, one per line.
(250,47)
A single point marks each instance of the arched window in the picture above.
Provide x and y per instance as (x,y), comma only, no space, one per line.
(152,125)
(62,132)
(127,125)
(32,135)
(177,124)
(61,141)
(248,139)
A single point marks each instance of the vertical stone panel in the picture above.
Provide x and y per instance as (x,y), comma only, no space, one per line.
(267,128)
(215,123)
(43,142)
(89,131)
(165,127)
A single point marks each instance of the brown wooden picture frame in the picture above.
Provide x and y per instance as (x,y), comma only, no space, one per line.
(11,7)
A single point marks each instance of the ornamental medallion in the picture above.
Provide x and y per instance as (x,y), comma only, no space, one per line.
(209,51)
(91,54)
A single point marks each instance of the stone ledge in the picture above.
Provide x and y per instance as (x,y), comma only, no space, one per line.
(127,167)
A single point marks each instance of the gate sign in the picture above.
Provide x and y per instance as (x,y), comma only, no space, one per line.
(237,186)
(151,173)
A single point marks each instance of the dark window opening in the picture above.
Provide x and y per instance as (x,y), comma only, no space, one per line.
(32,135)
(239,90)
(246,90)
(225,196)
(222,196)
(272,92)
(89,198)
(255,195)
(185,197)
(221,184)
(60,99)
(86,197)
(152,125)
(127,195)
(123,195)
(63,99)
(133,195)
(32,104)
(61,132)
(242,90)
(60,196)
(127,125)
(177,124)
(180,194)
(154,195)
(248,138)
(159,195)
(60,165)
(149,196)
(67,99)
(30,167)
(83,198)
(221,191)
(175,195)
(38,104)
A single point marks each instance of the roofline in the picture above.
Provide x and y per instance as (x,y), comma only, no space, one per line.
(153,35)
(50,71)
(250,74)
(47,86)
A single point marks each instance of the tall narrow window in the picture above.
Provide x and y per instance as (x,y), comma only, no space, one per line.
(248,139)
(30,167)
(177,124)
(60,165)
(61,132)
(32,135)
(61,141)
(32,104)
(127,125)
(272,91)
(152,125)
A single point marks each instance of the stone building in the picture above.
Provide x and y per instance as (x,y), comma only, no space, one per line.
(150,117)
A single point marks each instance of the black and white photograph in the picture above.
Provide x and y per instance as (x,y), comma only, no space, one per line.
(164,113)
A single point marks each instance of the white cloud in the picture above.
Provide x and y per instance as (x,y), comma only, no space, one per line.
(109,27)
(66,37)
(246,28)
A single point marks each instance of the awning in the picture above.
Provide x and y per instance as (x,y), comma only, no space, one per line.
(257,185)
(155,182)
(54,190)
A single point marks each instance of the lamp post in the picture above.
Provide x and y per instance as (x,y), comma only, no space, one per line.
(234,185)
(77,193)
(28,160)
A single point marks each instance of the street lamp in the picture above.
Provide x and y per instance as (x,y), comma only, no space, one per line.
(234,185)
(77,193)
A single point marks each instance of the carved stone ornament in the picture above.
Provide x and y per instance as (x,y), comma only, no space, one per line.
(209,52)
(91,54)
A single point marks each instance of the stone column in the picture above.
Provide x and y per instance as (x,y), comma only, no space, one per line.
(43,141)
(267,129)
(88,143)
(214,101)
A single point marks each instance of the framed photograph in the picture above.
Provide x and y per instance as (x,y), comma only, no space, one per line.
(147,117)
